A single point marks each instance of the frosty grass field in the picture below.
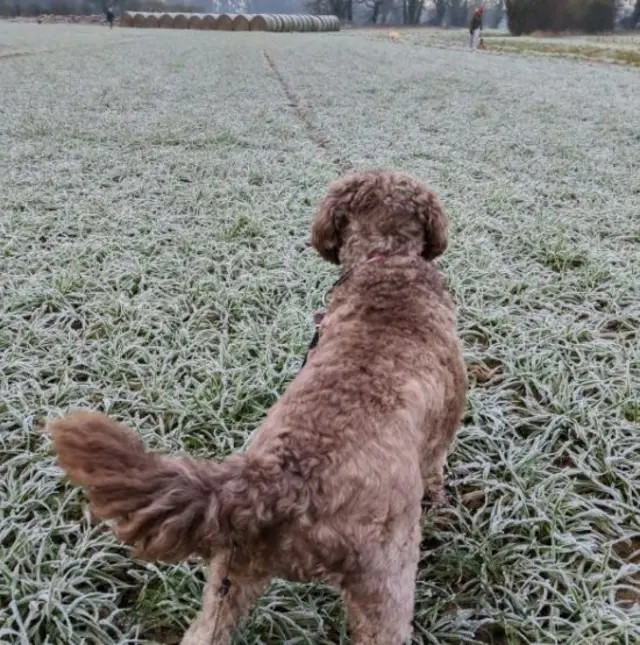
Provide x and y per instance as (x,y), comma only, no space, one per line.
(156,190)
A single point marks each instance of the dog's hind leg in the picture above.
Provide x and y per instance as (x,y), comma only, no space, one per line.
(432,470)
(380,603)
(434,456)
(229,595)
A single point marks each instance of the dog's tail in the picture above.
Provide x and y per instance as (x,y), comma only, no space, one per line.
(170,508)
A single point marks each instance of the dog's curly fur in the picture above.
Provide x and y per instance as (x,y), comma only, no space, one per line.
(330,487)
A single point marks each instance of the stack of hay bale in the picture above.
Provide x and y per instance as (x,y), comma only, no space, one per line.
(230,22)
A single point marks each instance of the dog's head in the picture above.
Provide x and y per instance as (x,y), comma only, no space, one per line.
(378,212)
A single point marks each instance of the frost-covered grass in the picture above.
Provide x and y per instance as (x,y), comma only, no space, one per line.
(155,200)
(622,48)
(31,38)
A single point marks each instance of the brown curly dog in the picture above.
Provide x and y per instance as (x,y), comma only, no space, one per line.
(330,488)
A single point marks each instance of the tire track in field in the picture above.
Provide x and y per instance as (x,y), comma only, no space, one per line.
(20,54)
(305,116)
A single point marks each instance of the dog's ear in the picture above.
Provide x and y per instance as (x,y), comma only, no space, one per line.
(431,215)
(331,220)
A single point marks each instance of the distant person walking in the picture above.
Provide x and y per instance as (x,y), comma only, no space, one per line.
(475,28)
(110,16)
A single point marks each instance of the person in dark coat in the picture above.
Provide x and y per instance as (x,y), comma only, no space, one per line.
(475,28)
(110,16)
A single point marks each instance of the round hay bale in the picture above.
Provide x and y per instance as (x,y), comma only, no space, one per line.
(194,21)
(241,22)
(325,24)
(225,21)
(287,22)
(294,22)
(138,20)
(334,23)
(126,19)
(316,23)
(152,21)
(209,21)
(262,22)
(180,21)
(305,23)
(291,23)
(165,21)
(279,21)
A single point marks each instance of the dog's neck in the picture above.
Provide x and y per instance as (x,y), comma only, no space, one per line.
(361,246)
(348,269)
(372,257)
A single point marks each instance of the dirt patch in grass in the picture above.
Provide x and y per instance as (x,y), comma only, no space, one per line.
(621,56)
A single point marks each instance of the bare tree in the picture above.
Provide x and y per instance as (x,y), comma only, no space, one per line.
(458,13)
(276,6)
(526,16)
(341,8)
(387,8)
(374,6)
(496,13)
(440,7)
(412,11)
(635,16)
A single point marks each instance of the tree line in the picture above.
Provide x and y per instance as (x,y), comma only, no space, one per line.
(15,8)
(435,13)
(522,16)
(590,16)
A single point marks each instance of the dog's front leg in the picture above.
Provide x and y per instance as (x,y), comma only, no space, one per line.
(228,596)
